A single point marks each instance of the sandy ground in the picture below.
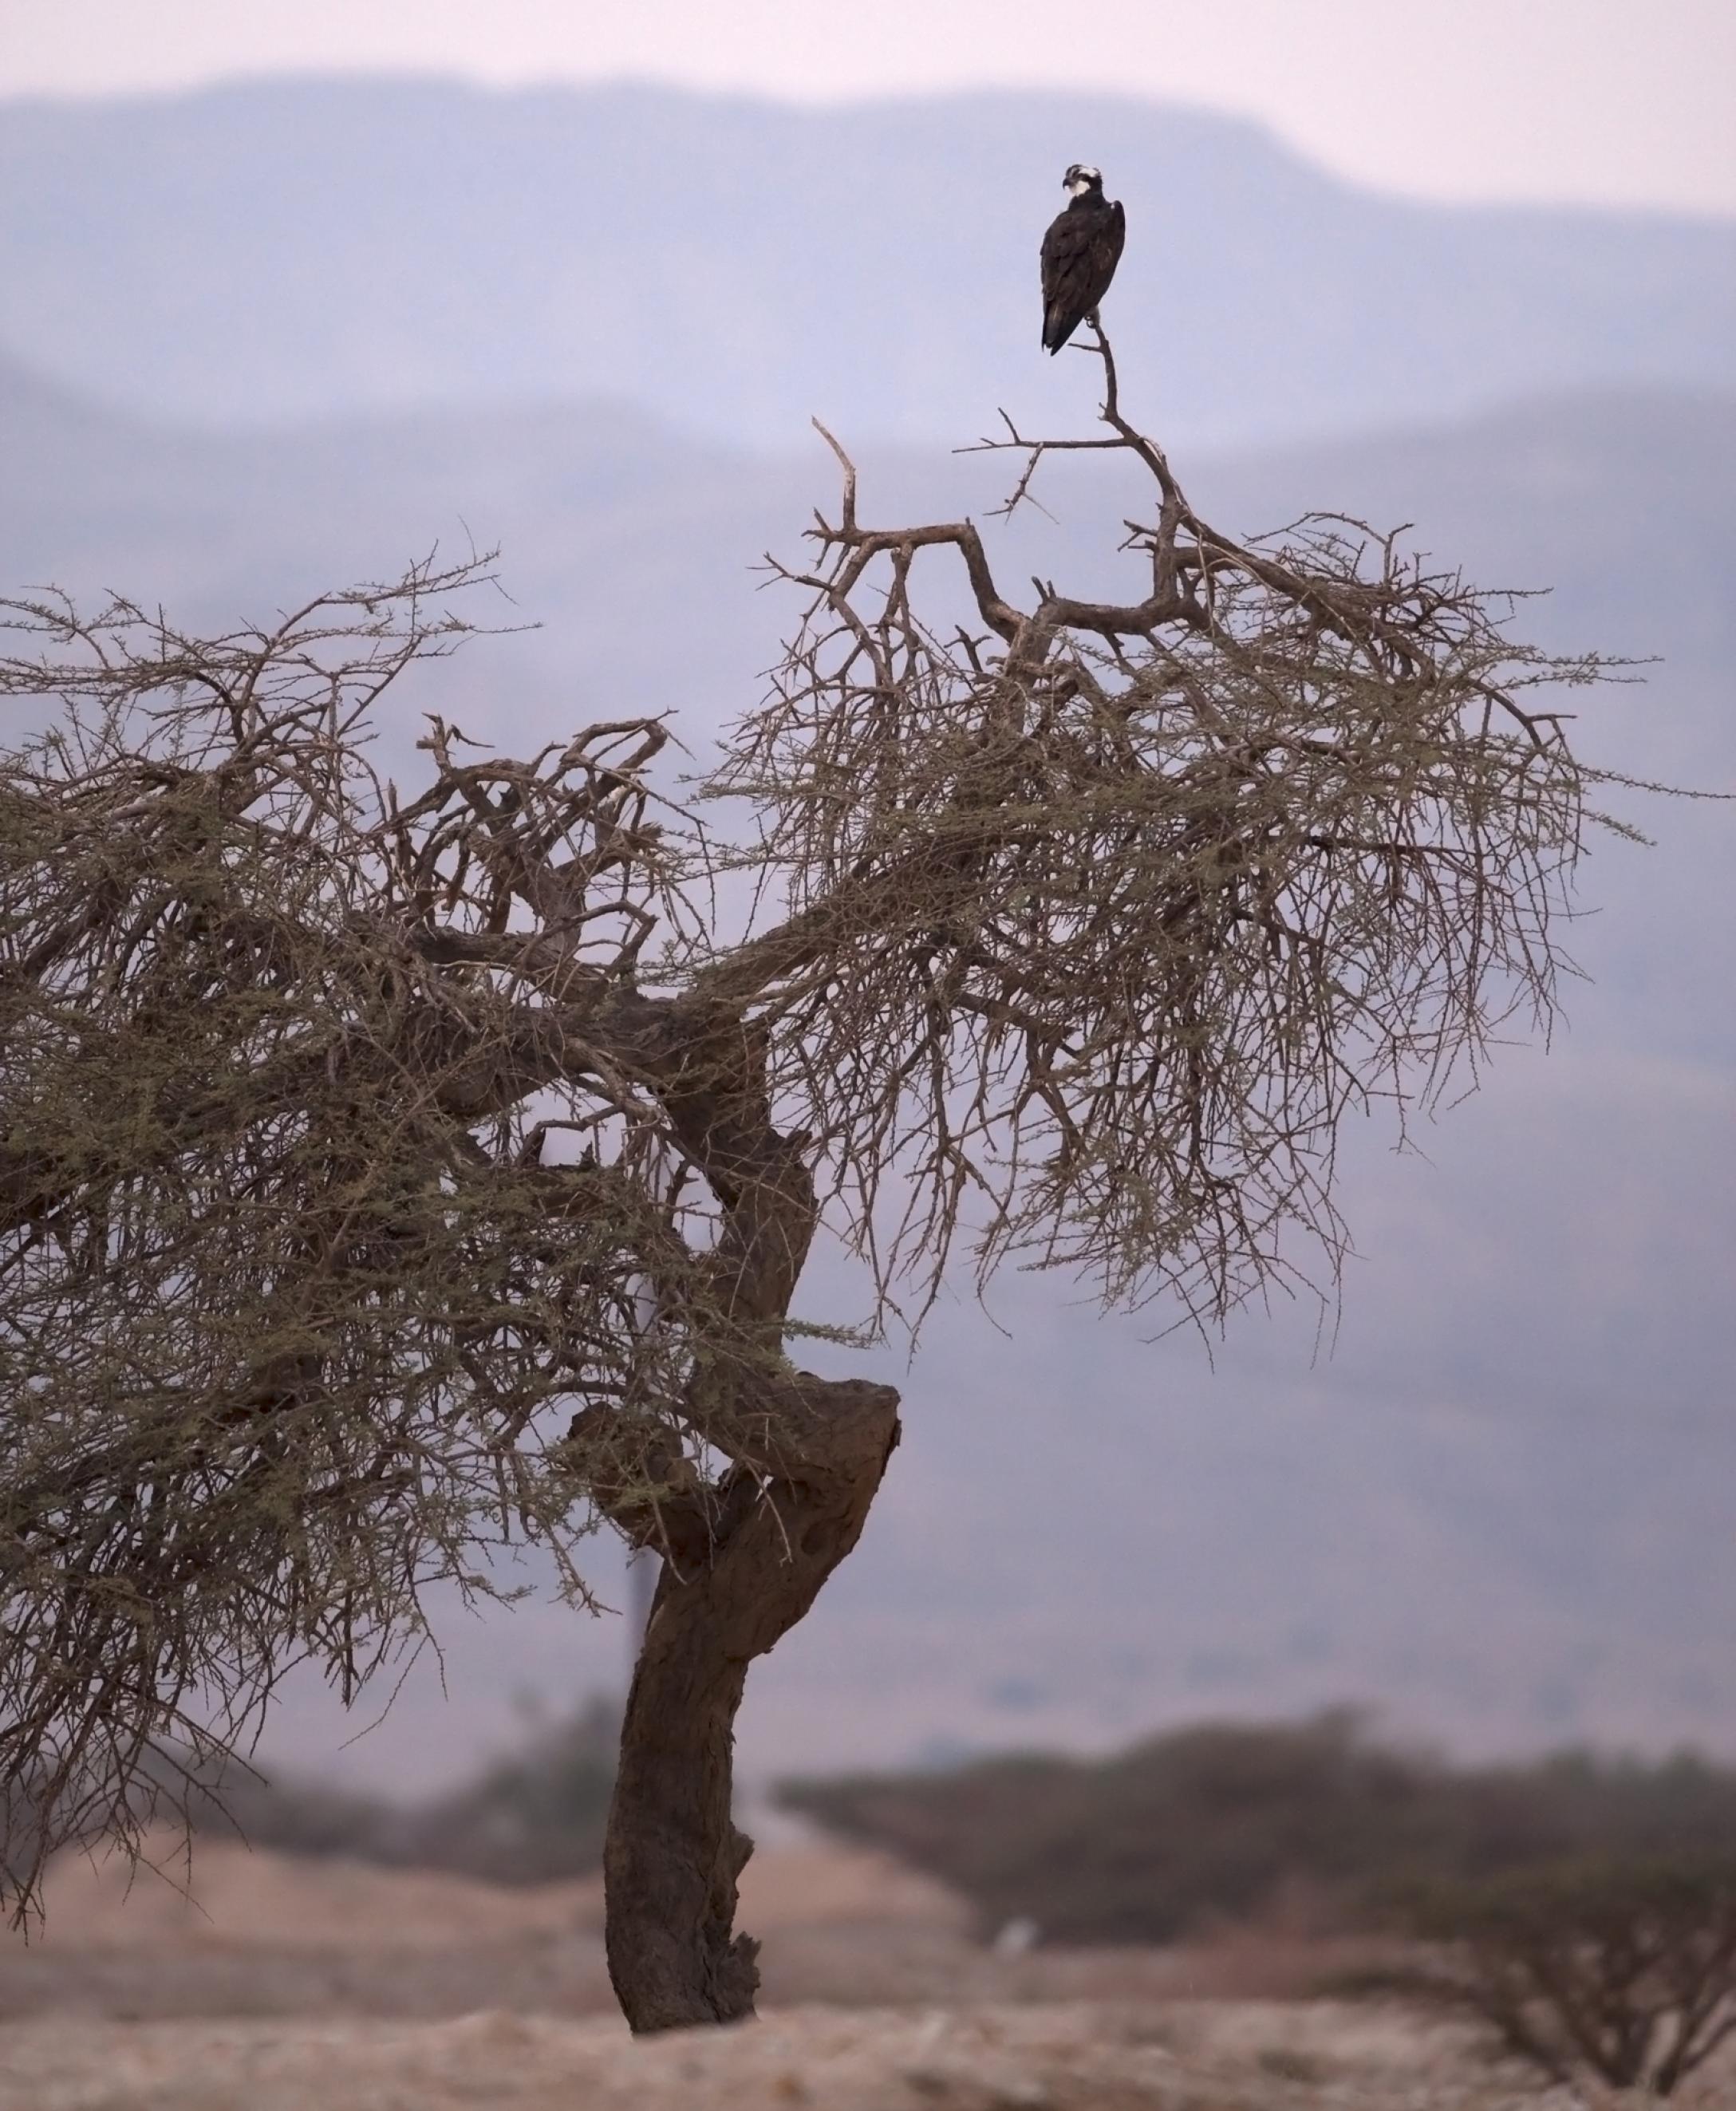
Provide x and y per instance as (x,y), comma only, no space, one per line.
(274,1985)
(1221,2056)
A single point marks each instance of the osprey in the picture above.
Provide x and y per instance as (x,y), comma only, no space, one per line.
(1079,255)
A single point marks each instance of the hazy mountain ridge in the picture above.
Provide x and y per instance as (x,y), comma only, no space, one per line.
(260,250)
(1502,1503)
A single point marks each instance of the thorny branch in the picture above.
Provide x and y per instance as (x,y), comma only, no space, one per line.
(1100,923)
(295,1299)
(384,1177)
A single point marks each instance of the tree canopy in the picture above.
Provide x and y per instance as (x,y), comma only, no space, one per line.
(386,1173)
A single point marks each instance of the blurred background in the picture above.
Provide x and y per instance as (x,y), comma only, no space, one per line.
(289,294)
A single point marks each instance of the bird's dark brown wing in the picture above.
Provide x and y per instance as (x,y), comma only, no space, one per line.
(1064,248)
(1113,241)
(1080,252)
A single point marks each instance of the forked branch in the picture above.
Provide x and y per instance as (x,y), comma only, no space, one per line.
(1096,928)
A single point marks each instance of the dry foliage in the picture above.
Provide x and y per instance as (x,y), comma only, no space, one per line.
(286,1288)
(1287,1824)
(350,1141)
(1107,915)
(1626,1970)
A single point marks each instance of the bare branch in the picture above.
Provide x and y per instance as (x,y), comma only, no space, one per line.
(1087,931)
(1089,947)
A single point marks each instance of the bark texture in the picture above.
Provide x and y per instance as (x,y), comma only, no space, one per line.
(673,1853)
(741,1564)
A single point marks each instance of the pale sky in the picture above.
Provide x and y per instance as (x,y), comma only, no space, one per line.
(1606,102)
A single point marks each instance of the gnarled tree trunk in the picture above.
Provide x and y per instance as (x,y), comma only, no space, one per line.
(742,1566)
(673,1853)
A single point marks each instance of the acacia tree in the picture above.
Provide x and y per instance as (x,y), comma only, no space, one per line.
(387,1175)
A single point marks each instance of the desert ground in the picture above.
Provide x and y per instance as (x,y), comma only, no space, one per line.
(265,1983)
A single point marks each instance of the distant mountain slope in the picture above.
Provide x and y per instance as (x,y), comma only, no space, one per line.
(1501,1503)
(260,251)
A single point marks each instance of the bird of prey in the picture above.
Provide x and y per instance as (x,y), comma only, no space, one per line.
(1079,255)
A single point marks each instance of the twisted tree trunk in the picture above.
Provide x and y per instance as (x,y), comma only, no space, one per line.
(673,1853)
(742,1566)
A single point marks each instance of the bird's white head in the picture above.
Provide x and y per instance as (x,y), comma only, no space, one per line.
(1081,177)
